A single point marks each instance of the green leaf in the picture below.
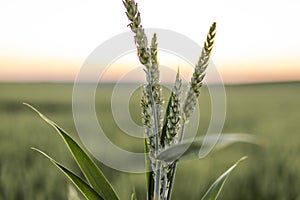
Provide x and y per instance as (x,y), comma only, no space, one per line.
(72,193)
(90,170)
(83,187)
(190,149)
(215,189)
(133,195)
(149,173)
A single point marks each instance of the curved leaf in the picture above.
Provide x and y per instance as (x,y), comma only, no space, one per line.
(215,189)
(83,187)
(190,149)
(133,195)
(90,170)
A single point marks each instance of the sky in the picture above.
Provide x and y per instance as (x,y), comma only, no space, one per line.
(43,40)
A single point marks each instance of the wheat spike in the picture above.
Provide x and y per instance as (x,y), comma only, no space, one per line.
(174,114)
(199,74)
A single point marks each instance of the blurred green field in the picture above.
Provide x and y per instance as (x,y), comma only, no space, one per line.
(269,111)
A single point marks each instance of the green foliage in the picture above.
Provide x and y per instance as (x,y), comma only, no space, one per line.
(92,173)
(83,187)
(133,195)
(189,149)
(215,189)
(269,111)
(99,188)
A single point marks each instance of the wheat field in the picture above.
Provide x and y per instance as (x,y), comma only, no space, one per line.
(269,111)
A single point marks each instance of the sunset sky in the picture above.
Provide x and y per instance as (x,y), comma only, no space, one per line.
(43,40)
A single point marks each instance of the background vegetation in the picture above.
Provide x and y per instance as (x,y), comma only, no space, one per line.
(270,111)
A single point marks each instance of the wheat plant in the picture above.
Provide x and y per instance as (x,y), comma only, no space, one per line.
(164,139)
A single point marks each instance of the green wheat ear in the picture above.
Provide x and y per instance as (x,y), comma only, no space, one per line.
(199,74)
(174,113)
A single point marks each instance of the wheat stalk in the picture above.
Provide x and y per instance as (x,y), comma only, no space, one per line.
(164,133)
(148,57)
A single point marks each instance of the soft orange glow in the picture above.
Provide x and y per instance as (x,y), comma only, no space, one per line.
(24,69)
(241,71)
(260,70)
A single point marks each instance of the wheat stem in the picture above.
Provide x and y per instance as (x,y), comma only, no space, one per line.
(148,58)
(175,164)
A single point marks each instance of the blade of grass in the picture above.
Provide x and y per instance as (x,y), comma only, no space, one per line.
(88,167)
(215,189)
(88,192)
(149,173)
(133,195)
(189,149)
(72,193)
